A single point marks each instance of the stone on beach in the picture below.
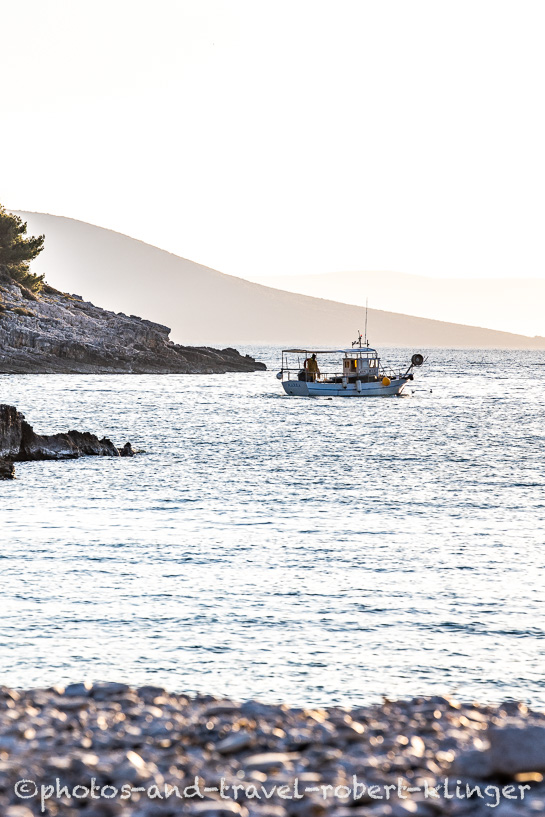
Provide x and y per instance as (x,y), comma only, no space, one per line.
(515,749)
(148,739)
(234,742)
(270,760)
(473,763)
(77,690)
(106,689)
(218,808)
(512,750)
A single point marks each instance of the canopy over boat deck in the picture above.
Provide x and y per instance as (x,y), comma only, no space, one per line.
(357,350)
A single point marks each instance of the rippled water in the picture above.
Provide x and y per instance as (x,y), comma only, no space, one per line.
(287,548)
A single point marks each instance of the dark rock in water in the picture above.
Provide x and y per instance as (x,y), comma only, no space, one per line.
(67,446)
(10,432)
(20,443)
(7,470)
(62,333)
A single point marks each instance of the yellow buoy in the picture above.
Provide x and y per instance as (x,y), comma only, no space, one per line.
(386,381)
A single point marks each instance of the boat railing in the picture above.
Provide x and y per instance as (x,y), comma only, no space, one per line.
(292,373)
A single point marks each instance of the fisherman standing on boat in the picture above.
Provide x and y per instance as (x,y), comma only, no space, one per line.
(311,365)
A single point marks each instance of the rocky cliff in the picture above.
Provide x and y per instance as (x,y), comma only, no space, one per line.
(56,332)
(20,443)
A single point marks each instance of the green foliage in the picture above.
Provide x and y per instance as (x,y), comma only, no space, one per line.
(16,251)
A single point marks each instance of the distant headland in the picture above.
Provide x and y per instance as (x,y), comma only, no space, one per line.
(43,330)
(204,306)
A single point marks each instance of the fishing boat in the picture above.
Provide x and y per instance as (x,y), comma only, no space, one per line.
(361,373)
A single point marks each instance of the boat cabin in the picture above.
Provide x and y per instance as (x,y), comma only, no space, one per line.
(357,364)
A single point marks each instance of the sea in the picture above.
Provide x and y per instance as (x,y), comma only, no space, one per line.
(308,551)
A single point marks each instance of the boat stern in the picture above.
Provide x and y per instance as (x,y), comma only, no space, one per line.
(296,388)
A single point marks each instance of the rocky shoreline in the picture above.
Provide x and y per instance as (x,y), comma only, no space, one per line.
(60,333)
(109,749)
(20,443)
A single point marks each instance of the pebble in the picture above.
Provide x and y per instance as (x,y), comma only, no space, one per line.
(515,749)
(101,691)
(218,808)
(473,763)
(148,738)
(235,742)
(269,760)
(77,690)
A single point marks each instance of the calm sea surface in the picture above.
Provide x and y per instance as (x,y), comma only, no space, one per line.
(307,550)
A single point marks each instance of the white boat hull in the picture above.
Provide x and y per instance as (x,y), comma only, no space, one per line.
(300,388)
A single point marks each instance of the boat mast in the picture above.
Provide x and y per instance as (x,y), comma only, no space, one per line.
(358,341)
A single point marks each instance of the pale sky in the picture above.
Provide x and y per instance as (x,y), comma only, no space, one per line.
(294,136)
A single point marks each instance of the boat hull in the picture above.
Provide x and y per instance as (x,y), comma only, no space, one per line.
(300,388)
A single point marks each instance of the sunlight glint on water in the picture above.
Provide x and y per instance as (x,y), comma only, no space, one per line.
(313,551)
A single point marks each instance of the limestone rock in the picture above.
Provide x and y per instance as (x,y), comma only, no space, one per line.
(56,332)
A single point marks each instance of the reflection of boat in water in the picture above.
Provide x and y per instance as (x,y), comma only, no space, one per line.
(362,375)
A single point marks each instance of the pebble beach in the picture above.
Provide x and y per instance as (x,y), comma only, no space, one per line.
(108,749)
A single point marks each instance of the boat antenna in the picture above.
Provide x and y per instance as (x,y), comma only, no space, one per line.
(366,310)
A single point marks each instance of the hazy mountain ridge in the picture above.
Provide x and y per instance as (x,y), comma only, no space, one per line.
(204,306)
(502,304)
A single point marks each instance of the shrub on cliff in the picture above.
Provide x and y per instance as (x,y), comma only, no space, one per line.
(16,251)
